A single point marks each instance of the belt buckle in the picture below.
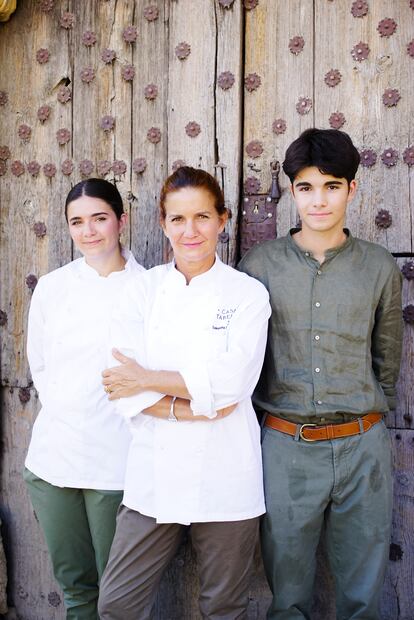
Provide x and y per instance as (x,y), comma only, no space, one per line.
(301,432)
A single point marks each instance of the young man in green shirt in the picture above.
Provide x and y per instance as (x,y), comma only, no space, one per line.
(331,365)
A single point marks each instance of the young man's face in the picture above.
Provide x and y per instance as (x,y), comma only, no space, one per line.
(321,200)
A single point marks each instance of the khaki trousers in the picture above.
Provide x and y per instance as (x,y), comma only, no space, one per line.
(143,548)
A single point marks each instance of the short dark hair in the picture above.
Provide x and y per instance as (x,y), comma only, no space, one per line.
(185,176)
(330,150)
(97,188)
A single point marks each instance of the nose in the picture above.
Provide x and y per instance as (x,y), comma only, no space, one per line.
(319,198)
(88,229)
(190,228)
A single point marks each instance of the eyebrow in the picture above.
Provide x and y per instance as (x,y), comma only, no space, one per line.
(307,184)
(79,217)
(181,215)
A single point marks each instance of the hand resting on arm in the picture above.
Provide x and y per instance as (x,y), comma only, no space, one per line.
(131,378)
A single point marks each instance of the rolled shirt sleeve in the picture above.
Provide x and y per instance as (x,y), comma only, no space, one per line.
(231,376)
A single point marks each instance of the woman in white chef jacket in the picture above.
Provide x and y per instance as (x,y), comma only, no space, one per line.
(75,466)
(198,331)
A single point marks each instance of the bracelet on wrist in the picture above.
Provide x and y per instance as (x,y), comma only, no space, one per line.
(172,417)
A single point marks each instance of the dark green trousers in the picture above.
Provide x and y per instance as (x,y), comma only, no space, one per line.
(78,525)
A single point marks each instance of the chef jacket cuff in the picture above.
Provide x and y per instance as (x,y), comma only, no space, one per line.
(197,381)
(132,405)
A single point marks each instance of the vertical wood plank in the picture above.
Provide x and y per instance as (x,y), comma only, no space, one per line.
(397,600)
(402,417)
(359,96)
(150,57)
(191,84)
(33,591)
(285,77)
(26,200)
(228,115)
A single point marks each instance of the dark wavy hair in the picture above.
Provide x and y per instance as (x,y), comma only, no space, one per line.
(330,150)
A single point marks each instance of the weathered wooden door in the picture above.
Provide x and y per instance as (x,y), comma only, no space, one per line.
(128,90)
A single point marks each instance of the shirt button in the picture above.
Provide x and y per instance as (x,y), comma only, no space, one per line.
(317,337)
(318,304)
(317,370)
(307,253)
(319,402)
(319,272)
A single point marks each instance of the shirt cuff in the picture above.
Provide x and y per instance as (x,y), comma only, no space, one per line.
(133,405)
(197,381)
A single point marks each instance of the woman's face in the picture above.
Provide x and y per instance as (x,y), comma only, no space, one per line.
(192,226)
(94,227)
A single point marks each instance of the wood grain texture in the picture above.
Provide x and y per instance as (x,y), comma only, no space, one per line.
(368,121)
(31,583)
(228,117)
(397,600)
(330,32)
(403,416)
(150,57)
(191,84)
(284,78)
(3,577)
(25,200)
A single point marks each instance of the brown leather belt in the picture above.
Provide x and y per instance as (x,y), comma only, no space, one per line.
(314,432)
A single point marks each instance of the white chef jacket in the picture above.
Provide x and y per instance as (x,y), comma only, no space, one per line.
(213,331)
(78,439)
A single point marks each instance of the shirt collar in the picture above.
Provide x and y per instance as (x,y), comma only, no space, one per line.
(202,280)
(86,271)
(330,253)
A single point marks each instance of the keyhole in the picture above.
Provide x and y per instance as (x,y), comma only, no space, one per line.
(256,207)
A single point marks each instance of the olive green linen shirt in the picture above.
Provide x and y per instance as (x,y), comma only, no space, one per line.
(335,334)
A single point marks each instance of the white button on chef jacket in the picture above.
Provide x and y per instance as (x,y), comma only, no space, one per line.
(78,439)
(213,331)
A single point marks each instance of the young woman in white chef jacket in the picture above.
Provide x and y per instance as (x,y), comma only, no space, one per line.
(197,329)
(76,462)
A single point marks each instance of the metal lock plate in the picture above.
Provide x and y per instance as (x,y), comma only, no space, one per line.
(258,222)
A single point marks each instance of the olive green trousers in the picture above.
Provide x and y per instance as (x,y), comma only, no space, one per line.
(78,525)
(342,488)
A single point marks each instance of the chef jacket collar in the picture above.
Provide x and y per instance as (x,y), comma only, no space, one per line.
(86,271)
(206,278)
